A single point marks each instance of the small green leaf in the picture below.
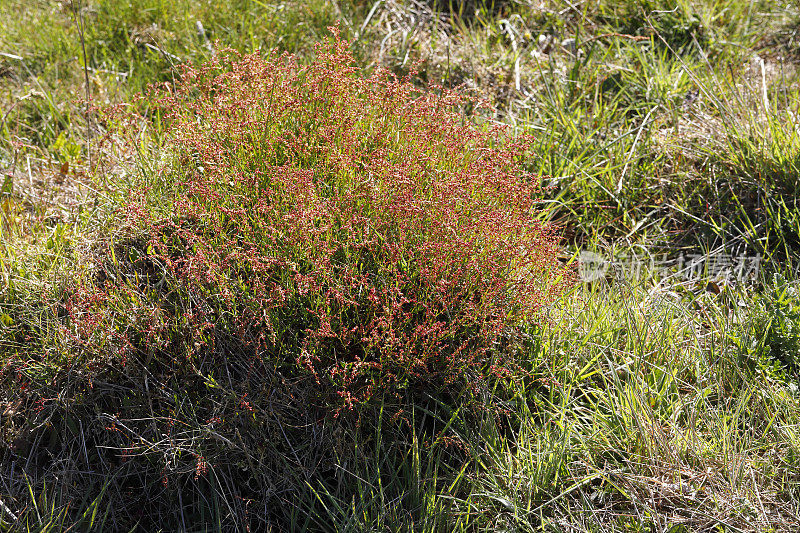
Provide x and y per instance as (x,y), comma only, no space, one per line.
(8,186)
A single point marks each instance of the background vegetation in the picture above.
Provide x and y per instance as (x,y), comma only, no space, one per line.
(133,397)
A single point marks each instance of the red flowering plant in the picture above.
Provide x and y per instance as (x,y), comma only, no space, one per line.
(359,231)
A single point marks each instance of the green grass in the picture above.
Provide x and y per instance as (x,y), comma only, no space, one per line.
(665,126)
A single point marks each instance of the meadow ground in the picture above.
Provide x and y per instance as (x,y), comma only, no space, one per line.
(278,293)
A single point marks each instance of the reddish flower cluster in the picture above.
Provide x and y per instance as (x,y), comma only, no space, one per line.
(358,229)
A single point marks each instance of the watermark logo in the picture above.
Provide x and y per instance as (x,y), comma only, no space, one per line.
(695,267)
(592,266)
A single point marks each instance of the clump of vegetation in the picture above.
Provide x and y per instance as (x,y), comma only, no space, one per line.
(356,228)
(310,242)
(775,338)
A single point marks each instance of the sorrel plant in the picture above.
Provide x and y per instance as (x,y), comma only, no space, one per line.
(359,231)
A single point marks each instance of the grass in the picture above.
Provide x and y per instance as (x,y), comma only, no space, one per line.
(648,403)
